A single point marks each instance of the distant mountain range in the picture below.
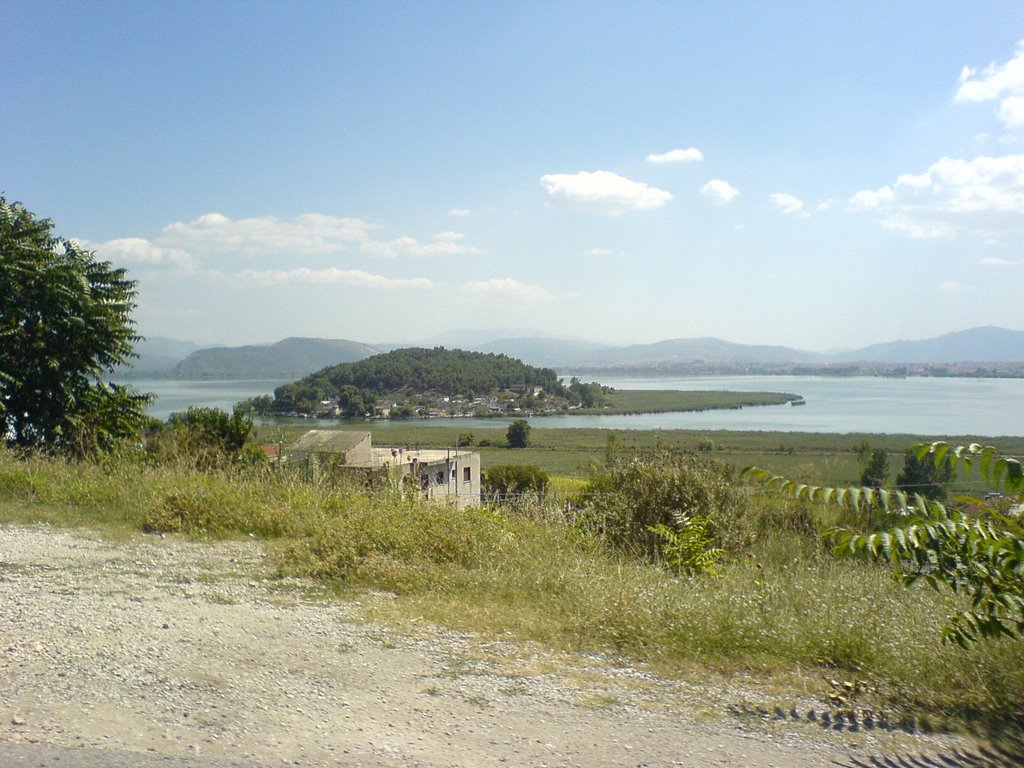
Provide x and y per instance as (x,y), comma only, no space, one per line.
(297,357)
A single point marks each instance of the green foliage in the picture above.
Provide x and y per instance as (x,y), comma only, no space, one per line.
(976,553)
(640,504)
(518,434)
(203,437)
(688,546)
(452,372)
(263,405)
(874,465)
(922,476)
(65,323)
(589,395)
(505,480)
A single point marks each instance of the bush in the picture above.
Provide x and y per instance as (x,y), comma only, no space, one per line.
(639,505)
(504,480)
(203,437)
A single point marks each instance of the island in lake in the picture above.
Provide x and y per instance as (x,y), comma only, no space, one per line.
(450,383)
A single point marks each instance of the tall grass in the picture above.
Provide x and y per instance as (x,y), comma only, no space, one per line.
(780,605)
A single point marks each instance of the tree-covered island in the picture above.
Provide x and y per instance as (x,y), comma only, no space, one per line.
(437,383)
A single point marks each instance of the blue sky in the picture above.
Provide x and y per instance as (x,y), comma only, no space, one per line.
(818,175)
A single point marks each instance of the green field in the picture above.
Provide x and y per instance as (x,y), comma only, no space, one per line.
(810,457)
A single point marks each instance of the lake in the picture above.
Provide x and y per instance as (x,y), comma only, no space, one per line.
(918,406)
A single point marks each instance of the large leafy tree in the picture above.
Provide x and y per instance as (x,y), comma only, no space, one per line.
(65,324)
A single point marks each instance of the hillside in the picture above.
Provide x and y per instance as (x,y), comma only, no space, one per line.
(988,344)
(407,374)
(977,345)
(156,356)
(289,357)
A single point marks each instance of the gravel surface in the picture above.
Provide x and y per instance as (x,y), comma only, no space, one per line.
(165,652)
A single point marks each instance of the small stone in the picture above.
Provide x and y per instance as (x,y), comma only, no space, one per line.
(16,720)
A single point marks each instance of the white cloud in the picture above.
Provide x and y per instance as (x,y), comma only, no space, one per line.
(997,82)
(787,203)
(136,250)
(719,192)
(459,212)
(691,155)
(330,276)
(444,244)
(952,287)
(919,230)
(308,234)
(964,189)
(994,261)
(603,192)
(507,289)
(826,204)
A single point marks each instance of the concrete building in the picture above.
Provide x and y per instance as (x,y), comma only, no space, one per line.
(447,475)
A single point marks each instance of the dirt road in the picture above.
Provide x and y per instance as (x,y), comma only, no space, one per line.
(160,651)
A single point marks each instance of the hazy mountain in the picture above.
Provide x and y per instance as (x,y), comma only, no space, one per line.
(548,352)
(157,355)
(988,344)
(297,357)
(293,357)
(706,350)
(463,338)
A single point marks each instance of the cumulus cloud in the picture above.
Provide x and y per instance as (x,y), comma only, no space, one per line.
(507,289)
(308,234)
(137,250)
(330,276)
(719,192)
(459,212)
(997,82)
(950,193)
(787,203)
(691,155)
(603,192)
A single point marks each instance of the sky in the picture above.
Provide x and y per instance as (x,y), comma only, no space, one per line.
(813,174)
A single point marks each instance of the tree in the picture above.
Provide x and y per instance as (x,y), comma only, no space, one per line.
(518,434)
(922,476)
(874,465)
(65,323)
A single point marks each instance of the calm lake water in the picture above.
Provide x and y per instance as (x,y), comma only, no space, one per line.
(919,406)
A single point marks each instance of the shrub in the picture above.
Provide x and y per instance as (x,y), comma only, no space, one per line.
(640,504)
(504,480)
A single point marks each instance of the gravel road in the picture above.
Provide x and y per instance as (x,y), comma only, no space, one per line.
(165,652)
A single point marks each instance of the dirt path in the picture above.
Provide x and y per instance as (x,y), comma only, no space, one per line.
(192,653)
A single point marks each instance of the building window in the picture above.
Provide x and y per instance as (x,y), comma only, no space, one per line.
(454,476)
(467,474)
